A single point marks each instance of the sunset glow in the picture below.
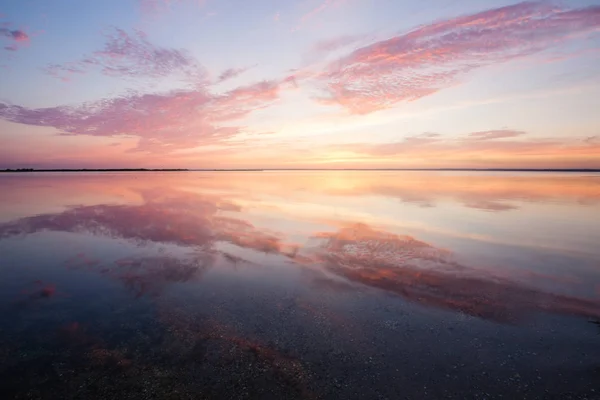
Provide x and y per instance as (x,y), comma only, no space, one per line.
(299,84)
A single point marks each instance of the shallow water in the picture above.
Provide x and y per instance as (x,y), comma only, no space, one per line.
(309,285)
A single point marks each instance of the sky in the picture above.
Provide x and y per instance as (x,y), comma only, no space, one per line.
(299,84)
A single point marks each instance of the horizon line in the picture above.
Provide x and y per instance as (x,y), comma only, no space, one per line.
(9,170)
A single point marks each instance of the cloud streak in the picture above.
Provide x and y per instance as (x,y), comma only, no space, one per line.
(495,134)
(335,43)
(488,149)
(231,73)
(473,142)
(433,57)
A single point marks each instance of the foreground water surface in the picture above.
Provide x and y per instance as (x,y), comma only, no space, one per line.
(283,285)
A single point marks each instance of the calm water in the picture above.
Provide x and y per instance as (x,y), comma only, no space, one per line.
(283,285)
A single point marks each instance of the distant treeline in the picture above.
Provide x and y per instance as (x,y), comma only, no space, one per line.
(93,170)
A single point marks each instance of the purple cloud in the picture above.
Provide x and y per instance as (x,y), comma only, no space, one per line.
(331,45)
(134,56)
(432,57)
(231,73)
(16,36)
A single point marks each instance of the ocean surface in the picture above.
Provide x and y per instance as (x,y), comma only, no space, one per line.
(300,285)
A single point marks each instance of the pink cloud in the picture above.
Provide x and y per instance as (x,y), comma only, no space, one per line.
(162,122)
(432,57)
(482,148)
(248,97)
(18,37)
(134,56)
(16,34)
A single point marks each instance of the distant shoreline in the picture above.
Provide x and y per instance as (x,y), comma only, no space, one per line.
(24,170)
(95,170)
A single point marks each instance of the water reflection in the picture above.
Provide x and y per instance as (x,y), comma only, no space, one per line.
(495,192)
(421,273)
(403,265)
(166,217)
(292,284)
(35,293)
(149,276)
(179,218)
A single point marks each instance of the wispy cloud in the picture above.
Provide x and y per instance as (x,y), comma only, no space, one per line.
(335,43)
(496,134)
(231,73)
(593,139)
(433,57)
(488,148)
(134,56)
(162,122)
(326,47)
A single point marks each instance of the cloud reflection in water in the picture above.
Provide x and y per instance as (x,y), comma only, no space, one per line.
(424,274)
(357,253)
